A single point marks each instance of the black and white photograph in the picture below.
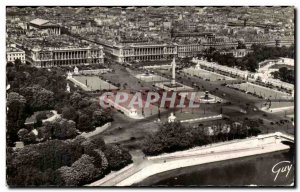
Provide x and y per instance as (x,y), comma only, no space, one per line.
(150,96)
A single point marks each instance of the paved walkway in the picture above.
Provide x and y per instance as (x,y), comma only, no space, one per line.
(53,117)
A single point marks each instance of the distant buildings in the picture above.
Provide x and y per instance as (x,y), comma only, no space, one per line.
(237,53)
(141,52)
(13,53)
(189,50)
(144,33)
(61,51)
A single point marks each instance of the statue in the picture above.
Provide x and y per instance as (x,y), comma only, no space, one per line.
(171,118)
(69,75)
(76,71)
(68,88)
(133,112)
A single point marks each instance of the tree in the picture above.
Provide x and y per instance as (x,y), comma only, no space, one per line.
(85,123)
(74,99)
(101,117)
(251,63)
(84,102)
(61,129)
(88,147)
(69,113)
(18,63)
(65,130)
(86,169)
(38,98)
(99,142)
(285,75)
(170,137)
(67,176)
(117,157)
(29,138)
(16,116)
(101,160)
(22,133)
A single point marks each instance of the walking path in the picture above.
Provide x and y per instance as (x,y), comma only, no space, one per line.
(53,117)
(276,110)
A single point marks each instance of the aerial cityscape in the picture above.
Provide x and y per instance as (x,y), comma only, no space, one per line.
(150,96)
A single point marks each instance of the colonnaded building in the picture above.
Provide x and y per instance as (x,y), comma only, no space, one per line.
(152,51)
(60,50)
(44,26)
(141,52)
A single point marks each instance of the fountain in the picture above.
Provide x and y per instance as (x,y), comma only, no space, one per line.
(207,99)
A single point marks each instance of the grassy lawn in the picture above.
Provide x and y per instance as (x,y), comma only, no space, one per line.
(94,83)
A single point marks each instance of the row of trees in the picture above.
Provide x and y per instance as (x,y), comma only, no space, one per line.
(173,137)
(72,162)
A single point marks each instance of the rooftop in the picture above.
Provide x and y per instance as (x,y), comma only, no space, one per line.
(42,22)
(13,49)
(56,42)
(39,21)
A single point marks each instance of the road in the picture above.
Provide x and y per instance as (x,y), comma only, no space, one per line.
(130,133)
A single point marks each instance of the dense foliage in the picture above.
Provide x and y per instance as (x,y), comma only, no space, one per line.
(63,163)
(285,75)
(251,60)
(172,137)
(54,154)
(34,90)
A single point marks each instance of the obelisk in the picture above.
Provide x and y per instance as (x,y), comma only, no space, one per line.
(173,82)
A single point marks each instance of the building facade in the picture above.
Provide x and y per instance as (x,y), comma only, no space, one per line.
(66,56)
(44,26)
(237,53)
(189,50)
(142,52)
(13,53)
